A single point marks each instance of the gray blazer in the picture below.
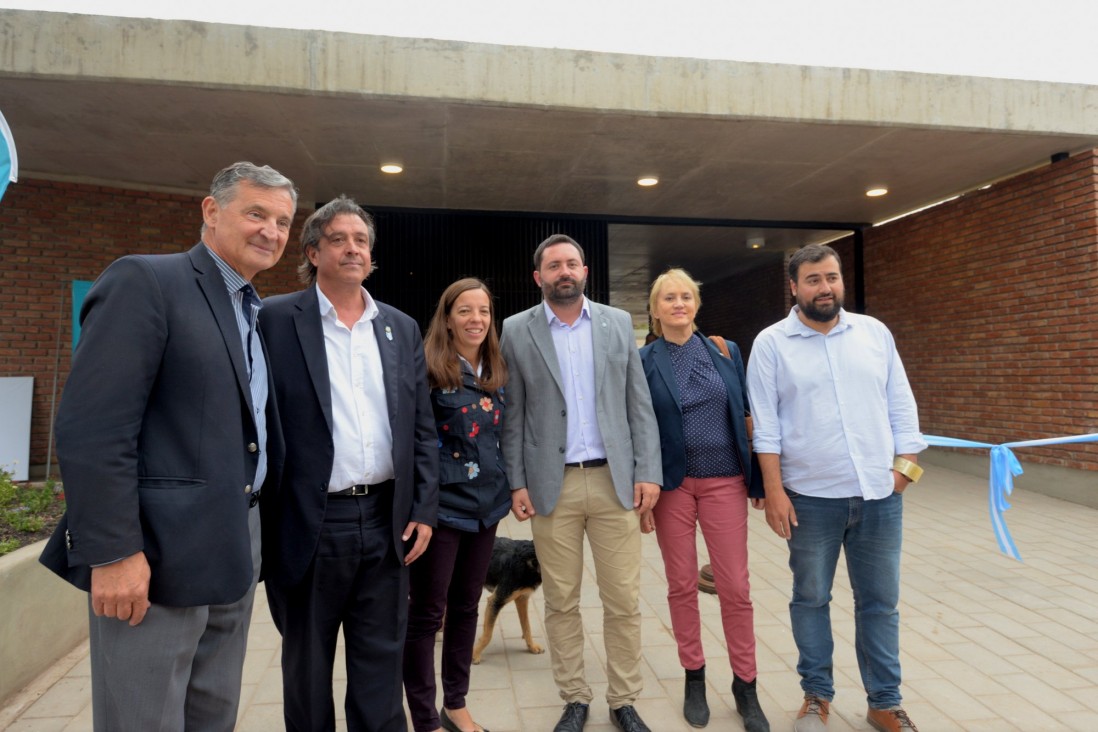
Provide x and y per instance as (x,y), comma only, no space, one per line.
(535,431)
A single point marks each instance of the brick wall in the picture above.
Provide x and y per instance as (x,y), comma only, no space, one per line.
(52,233)
(993,300)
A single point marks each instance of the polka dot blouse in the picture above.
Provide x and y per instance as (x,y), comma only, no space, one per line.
(706,423)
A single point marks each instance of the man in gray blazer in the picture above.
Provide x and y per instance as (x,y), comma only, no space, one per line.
(166,432)
(583,455)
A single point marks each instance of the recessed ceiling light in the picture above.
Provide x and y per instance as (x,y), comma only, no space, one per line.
(874,192)
(756,242)
(392,168)
(648,180)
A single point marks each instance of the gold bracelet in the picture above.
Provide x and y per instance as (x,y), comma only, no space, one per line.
(908,469)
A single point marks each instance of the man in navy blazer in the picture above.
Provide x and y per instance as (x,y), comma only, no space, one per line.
(360,478)
(165,435)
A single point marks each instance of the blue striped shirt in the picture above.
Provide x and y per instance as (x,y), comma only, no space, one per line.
(253,351)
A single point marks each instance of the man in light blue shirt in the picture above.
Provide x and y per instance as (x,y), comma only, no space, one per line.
(837,435)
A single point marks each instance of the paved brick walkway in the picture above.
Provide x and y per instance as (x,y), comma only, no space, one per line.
(987,643)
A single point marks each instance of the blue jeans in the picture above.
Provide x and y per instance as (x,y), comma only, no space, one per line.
(870,533)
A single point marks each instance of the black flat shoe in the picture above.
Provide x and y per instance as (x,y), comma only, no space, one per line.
(449,726)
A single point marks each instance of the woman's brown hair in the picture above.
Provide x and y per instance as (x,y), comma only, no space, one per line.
(443,365)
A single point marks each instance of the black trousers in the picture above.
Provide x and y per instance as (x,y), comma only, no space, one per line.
(355,581)
(448,578)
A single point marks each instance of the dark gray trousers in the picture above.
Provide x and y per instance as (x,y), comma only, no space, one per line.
(178,670)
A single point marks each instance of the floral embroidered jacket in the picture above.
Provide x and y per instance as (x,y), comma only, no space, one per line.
(473,487)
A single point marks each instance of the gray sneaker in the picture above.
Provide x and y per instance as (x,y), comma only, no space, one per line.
(813,715)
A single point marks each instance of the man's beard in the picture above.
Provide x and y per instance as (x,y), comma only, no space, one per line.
(822,314)
(564,292)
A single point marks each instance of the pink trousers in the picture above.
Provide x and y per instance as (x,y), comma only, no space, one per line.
(720,506)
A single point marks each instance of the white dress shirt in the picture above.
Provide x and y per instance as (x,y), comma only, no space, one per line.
(361,432)
(837,408)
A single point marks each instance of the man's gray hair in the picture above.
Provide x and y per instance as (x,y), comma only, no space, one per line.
(224,185)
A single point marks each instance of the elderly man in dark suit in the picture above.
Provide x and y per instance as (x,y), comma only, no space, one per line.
(360,480)
(166,436)
(583,456)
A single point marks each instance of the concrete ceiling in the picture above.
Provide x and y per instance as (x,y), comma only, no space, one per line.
(730,177)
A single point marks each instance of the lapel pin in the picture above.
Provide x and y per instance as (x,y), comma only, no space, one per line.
(388,332)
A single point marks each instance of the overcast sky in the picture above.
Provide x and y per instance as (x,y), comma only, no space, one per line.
(1052,40)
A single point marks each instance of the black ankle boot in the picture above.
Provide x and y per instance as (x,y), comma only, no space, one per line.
(747,704)
(694,706)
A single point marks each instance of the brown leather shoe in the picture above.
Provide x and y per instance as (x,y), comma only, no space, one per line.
(813,715)
(705,580)
(893,719)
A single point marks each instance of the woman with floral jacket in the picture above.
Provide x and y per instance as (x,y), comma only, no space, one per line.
(467,374)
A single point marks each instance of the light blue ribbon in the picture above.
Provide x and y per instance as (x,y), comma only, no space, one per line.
(1004,466)
(9,161)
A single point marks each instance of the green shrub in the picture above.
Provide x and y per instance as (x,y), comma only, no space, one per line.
(22,521)
(7,489)
(27,512)
(38,500)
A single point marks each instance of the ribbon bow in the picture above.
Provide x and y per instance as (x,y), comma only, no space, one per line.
(1004,466)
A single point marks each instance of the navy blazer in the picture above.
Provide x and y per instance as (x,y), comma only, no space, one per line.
(668,408)
(295,337)
(155,433)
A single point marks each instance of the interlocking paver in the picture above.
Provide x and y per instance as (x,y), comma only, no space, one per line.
(987,643)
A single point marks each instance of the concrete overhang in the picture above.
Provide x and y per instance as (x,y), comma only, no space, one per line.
(740,149)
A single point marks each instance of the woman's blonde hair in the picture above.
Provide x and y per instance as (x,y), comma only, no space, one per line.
(675,275)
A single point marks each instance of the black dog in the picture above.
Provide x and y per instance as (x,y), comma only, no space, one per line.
(513,574)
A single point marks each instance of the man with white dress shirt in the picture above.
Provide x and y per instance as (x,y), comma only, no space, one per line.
(359,490)
(837,436)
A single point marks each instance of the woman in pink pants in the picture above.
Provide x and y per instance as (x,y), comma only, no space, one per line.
(700,399)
